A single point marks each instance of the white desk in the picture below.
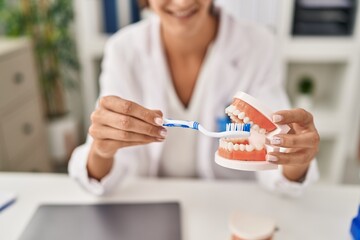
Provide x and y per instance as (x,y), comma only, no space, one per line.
(324,212)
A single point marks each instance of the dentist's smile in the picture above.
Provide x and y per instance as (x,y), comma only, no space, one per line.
(183,14)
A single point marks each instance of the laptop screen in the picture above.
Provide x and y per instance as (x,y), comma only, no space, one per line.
(123,221)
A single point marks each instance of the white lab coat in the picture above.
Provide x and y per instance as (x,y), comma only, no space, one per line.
(243,57)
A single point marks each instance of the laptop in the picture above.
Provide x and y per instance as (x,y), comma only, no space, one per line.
(122,221)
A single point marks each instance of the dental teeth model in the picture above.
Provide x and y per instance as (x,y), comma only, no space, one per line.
(248,154)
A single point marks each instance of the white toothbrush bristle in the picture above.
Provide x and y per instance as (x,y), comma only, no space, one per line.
(234,127)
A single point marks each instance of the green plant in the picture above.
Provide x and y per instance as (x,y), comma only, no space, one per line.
(48,24)
(306,85)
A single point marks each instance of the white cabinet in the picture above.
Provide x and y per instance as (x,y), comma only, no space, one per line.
(23,146)
(333,63)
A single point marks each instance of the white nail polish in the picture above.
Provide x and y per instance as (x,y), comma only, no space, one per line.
(159,121)
(277,118)
(163,133)
(275,141)
(271,158)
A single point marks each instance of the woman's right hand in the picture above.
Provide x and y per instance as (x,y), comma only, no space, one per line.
(119,123)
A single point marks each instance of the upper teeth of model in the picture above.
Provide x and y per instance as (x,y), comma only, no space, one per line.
(236,115)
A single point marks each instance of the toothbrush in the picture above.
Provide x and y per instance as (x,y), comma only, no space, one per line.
(232,129)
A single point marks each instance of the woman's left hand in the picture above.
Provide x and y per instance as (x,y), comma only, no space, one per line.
(302,142)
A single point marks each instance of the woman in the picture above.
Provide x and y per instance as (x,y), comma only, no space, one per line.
(188,61)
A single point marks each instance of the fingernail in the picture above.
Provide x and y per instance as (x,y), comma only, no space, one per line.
(277,118)
(275,141)
(163,133)
(159,121)
(271,158)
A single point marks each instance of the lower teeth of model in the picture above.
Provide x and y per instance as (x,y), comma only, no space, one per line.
(239,147)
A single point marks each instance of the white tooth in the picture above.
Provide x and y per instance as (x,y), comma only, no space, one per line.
(227,110)
(249,148)
(232,117)
(255,127)
(236,112)
(262,131)
(230,146)
(242,147)
(246,120)
(241,115)
(232,108)
(259,147)
(236,147)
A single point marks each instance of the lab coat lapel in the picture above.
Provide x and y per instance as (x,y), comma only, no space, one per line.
(224,64)
(156,72)
(215,99)
(204,153)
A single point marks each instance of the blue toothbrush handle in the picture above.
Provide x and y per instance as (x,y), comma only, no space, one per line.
(181,124)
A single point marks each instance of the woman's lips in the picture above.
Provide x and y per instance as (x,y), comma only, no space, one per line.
(184,14)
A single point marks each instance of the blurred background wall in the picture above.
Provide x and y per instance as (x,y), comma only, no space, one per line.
(318,43)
